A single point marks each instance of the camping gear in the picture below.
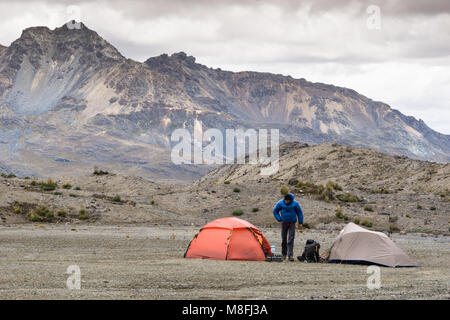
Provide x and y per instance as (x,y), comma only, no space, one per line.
(229,239)
(311,252)
(358,245)
(275,257)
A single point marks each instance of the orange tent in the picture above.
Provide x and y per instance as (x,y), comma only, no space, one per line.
(228,239)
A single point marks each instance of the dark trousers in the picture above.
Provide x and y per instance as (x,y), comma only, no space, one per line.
(287,238)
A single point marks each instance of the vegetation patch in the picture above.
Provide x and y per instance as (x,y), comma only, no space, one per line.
(238,212)
(322,192)
(99,172)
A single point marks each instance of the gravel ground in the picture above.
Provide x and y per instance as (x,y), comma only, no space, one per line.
(137,262)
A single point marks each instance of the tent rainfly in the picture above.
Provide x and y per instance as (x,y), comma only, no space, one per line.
(229,239)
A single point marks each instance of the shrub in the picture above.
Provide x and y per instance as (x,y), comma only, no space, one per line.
(61,213)
(33,183)
(255,209)
(306,225)
(226,182)
(152,202)
(82,217)
(67,186)
(419,207)
(433,208)
(368,208)
(238,212)
(284,190)
(77,188)
(345,218)
(356,220)
(393,228)
(408,216)
(98,172)
(32,216)
(333,185)
(73,195)
(348,198)
(367,223)
(83,212)
(17,210)
(57,193)
(339,214)
(236,190)
(117,198)
(321,192)
(49,185)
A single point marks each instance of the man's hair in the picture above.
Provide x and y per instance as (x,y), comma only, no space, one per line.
(288,197)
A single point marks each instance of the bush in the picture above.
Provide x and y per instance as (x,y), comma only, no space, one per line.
(83,212)
(226,182)
(98,172)
(348,198)
(152,202)
(82,217)
(339,214)
(345,218)
(333,185)
(255,209)
(356,220)
(368,208)
(306,225)
(17,210)
(67,186)
(238,212)
(419,207)
(49,185)
(57,193)
(321,192)
(394,228)
(77,188)
(61,213)
(367,223)
(433,208)
(284,190)
(117,198)
(236,190)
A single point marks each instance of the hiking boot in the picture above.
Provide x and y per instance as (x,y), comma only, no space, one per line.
(291,258)
(284,257)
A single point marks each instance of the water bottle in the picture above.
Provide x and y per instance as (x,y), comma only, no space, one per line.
(272,248)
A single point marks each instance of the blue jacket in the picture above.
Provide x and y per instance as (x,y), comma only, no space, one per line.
(289,213)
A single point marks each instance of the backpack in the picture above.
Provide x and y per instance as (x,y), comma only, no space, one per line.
(311,252)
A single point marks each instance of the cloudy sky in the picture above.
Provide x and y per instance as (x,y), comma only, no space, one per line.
(393,51)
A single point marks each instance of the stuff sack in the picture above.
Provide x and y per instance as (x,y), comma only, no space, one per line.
(311,252)
(274,257)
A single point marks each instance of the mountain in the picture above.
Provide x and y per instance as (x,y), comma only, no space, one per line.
(69,100)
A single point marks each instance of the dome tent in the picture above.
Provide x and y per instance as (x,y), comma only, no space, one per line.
(357,245)
(229,239)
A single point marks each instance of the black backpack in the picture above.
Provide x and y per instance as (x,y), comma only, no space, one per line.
(311,252)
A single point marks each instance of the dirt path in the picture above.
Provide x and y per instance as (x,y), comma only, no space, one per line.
(146,262)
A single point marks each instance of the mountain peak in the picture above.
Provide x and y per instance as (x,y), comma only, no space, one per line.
(63,42)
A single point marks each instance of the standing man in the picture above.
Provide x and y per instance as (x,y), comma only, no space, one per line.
(288,212)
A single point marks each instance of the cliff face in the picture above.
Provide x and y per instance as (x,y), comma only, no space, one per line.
(68,95)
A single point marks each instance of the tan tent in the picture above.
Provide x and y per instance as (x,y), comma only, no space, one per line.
(357,245)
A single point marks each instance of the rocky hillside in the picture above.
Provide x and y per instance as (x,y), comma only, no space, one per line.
(69,100)
(334,184)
